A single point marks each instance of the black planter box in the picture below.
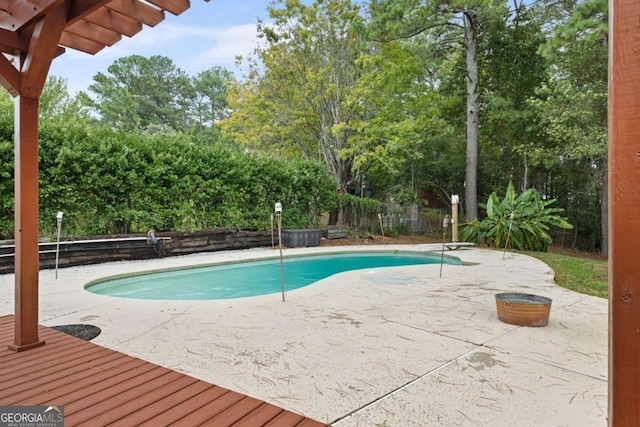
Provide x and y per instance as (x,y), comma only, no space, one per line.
(301,238)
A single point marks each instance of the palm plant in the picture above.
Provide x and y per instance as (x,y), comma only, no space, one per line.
(520,222)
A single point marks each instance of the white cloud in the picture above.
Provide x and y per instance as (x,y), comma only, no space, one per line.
(222,46)
(195,41)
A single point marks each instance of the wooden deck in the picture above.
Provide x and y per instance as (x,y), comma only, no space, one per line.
(99,386)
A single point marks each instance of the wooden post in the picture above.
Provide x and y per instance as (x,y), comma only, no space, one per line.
(26,224)
(624,213)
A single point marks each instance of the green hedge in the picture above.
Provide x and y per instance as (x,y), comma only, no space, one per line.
(109,182)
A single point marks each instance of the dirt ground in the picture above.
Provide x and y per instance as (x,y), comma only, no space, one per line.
(417,239)
(379,240)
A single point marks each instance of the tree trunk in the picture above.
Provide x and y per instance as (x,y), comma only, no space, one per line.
(333,216)
(525,178)
(471,172)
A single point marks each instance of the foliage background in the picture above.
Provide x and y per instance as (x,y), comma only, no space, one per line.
(149,145)
(109,181)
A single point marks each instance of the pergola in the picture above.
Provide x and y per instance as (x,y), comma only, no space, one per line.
(34,32)
(624,212)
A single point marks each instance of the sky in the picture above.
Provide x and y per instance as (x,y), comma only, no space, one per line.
(206,35)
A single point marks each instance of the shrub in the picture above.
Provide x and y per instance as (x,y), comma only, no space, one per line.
(107,182)
(518,222)
(359,213)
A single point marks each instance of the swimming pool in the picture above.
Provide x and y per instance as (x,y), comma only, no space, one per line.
(251,278)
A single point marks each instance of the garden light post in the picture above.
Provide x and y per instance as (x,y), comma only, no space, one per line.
(59,222)
(278,210)
(455,200)
(445,225)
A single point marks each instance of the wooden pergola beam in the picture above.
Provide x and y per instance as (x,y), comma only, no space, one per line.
(93,32)
(9,76)
(109,18)
(42,49)
(81,8)
(19,14)
(624,213)
(142,12)
(82,44)
(176,7)
(32,34)
(11,41)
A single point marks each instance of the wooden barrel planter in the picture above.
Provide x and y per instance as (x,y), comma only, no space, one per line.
(523,309)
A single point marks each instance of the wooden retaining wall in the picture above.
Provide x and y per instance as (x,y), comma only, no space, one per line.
(99,249)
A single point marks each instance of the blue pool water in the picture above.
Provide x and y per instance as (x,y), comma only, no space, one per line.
(251,278)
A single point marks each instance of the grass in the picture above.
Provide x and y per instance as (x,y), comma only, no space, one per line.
(584,275)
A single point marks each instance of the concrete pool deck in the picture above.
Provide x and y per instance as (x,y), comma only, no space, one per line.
(398,346)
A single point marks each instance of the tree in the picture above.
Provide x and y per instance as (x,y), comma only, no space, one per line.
(405,140)
(302,99)
(210,96)
(512,71)
(456,21)
(571,106)
(139,92)
(57,104)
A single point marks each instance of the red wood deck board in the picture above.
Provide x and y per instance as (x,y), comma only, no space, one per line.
(210,410)
(235,412)
(74,381)
(73,392)
(73,355)
(68,378)
(166,404)
(51,365)
(259,416)
(57,375)
(99,386)
(81,400)
(43,333)
(176,413)
(12,359)
(6,331)
(135,399)
(38,356)
(284,419)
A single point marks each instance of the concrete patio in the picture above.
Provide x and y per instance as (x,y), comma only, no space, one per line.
(397,346)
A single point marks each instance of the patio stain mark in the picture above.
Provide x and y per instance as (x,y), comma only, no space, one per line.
(481,360)
(264,380)
(502,388)
(344,318)
(289,379)
(260,359)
